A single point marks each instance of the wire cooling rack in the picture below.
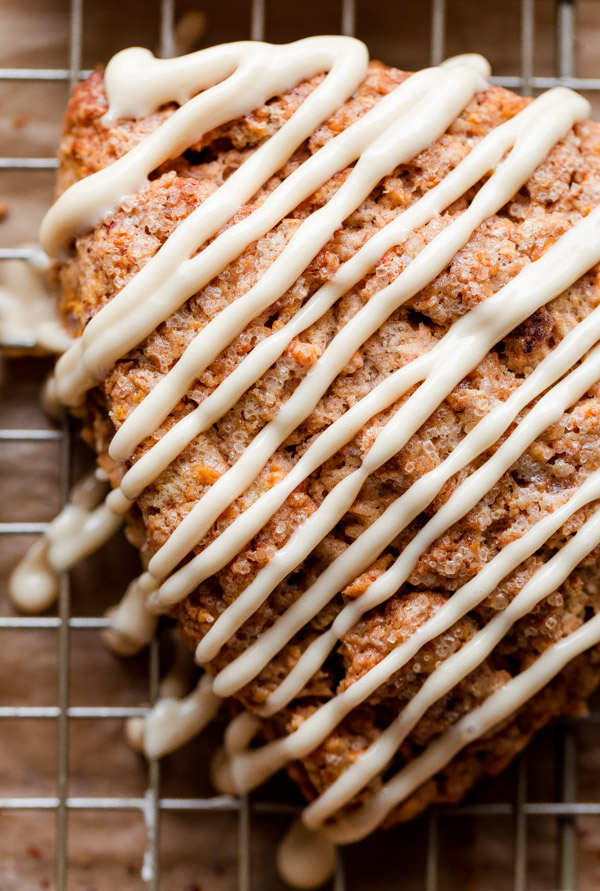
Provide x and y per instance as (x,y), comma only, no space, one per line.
(526,858)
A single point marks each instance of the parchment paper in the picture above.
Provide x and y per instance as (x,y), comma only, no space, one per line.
(198,851)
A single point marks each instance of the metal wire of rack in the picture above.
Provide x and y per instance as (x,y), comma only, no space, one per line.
(153,804)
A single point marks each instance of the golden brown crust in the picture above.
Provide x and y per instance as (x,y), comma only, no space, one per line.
(563,189)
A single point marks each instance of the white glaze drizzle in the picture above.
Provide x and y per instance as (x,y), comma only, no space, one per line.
(399,126)
(27,312)
(305,859)
(132,624)
(240,732)
(174,686)
(33,584)
(82,526)
(85,523)
(174,721)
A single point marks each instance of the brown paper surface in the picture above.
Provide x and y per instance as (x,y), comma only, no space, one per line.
(199,850)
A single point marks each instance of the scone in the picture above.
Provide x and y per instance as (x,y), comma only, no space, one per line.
(351,371)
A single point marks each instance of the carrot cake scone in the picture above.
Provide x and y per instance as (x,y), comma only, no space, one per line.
(334,334)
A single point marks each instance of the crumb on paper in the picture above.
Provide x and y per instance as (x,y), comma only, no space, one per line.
(19,121)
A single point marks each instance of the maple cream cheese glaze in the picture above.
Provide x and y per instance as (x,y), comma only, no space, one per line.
(226,82)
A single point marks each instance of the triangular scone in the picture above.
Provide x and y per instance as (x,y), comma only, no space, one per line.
(562,191)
